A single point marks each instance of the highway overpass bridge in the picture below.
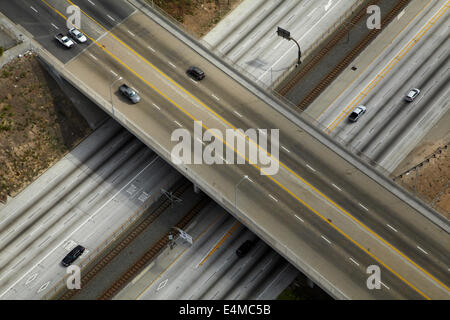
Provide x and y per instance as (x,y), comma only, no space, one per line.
(326,211)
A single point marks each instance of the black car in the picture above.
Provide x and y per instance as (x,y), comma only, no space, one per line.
(196,73)
(129,93)
(244,248)
(72,256)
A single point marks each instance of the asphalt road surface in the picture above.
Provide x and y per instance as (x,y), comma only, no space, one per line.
(317,205)
(83,200)
(418,57)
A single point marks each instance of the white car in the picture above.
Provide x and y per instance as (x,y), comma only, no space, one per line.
(77,35)
(412,94)
(357,113)
(64,40)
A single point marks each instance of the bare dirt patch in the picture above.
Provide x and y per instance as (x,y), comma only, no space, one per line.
(430,180)
(38,124)
(197,16)
(426,170)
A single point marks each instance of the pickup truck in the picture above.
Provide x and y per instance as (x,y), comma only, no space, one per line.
(64,40)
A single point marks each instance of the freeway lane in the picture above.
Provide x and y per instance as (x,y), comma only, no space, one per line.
(325,178)
(227,187)
(418,57)
(44,23)
(177,121)
(102,183)
(327,181)
(250,41)
(177,271)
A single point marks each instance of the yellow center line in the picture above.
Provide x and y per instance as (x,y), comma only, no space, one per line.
(270,177)
(219,244)
(424,30)
(178,257)
(259,147)
(373,61)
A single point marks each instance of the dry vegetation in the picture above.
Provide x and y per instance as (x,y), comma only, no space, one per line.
(38,124)
(197,16)
(431,180)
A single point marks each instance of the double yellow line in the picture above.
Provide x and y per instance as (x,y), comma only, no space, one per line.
(257,167)
(383,73)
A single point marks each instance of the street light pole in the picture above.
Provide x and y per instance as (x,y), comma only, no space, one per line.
(287,35)
(110,93)
(299,52)
(235,190)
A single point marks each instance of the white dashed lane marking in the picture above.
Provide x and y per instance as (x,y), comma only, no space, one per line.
(285,149)
(351,259)
(391,227)
(362,206)
(337,187)
(422,250)
(326,239)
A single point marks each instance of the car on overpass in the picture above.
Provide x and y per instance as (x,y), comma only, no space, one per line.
(77,35)
(196,73)
(130,93)
(64,40)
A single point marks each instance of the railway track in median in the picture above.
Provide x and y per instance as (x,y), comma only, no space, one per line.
(98,265)
(140,264)
(345,62)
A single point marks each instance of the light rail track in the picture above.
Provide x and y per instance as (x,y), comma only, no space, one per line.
(98,266)
(345,62)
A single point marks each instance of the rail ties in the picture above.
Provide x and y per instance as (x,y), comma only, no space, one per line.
(152,252)
(338,35)
(179,189)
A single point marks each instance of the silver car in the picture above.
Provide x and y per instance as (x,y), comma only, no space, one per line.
(77,35)
(412,94)
(357,113)
(129,93)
